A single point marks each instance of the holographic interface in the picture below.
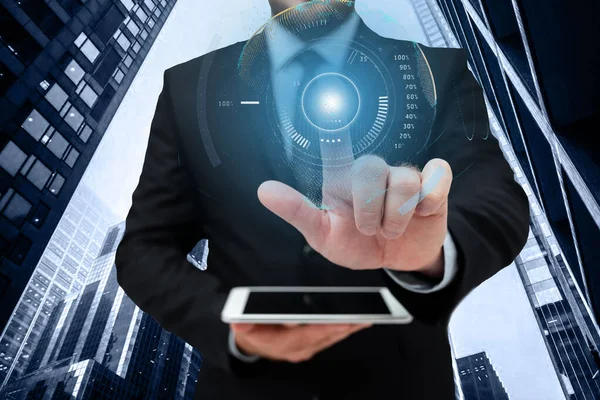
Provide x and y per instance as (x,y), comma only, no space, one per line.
(329,90)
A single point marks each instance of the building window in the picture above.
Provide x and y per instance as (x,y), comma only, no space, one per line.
(90,51)
(7,78)
(140,13)
(74,72)
(128,4)
(12,158)
(72,157)
(56,143)
(36,172)
(27,165)
(86,46)
(17,39)
(144,34)
(132,26)
(56,183)
(35,124)
(70,6)
(87,94)
(136,47)
(128,61)
(72,117)
(17,209)
(118,75)
(151,23)
(111,20)
(122,40)
(157,12)
(44,85)
(85,132)
(20,249)
(80,39)
(5,197)
(43,16)
(39,214)
(150,4)
(57,96)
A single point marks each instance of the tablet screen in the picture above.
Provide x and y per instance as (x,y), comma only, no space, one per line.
(315,303)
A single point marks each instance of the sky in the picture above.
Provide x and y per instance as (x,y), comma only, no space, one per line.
(495,318)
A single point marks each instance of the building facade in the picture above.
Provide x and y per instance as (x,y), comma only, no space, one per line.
(63,268)
(513,59)
(538,67)
(479,379)
(98,344)
(65,66)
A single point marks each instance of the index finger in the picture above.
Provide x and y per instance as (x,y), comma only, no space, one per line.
(337,159)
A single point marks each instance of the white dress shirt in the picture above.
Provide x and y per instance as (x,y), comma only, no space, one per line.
(282,50)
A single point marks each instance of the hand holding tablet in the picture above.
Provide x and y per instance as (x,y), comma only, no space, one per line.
(290,342)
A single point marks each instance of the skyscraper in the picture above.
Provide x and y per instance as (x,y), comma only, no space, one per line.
(98,343)
(63,268)
(513,53)
(434,25)
(65,66)
(478,378)
(538,66)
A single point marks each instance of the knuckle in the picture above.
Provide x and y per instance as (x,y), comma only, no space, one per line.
(433,199)
(295,215)
(394,224)
(408,185)
(366,214)
(405,181)
(370,166)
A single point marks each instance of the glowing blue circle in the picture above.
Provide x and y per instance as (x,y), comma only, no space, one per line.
(331,102)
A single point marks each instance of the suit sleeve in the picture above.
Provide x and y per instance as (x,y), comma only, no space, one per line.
(164,223)
(488,211)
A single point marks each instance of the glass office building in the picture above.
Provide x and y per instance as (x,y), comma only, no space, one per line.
(65,66)
(63,268)
(479,379)
(98,344)
(536,66)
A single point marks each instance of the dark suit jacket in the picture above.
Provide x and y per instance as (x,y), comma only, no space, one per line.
(185,195)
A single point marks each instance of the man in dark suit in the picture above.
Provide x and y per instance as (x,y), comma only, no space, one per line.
(215,172)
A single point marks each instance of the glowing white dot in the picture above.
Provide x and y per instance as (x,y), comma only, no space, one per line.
(71,114)
(30,119)
(330,102)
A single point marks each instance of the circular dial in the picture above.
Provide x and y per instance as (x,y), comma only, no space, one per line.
(371,96)
(374,102)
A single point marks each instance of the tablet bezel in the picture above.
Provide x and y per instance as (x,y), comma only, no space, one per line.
(233,311)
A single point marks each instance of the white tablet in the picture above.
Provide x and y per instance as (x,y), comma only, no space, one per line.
(271,305)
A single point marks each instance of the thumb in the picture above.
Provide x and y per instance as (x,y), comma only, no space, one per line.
(294,208)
